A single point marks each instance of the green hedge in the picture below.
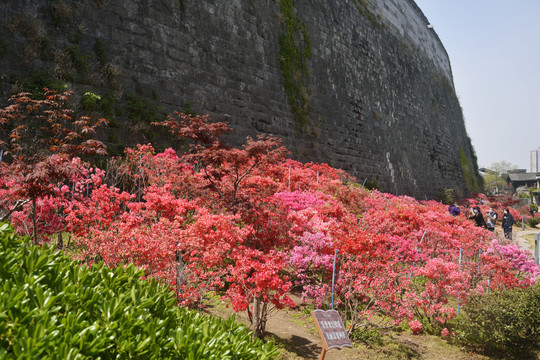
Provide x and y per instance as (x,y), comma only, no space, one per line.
(506,320)
(54,308)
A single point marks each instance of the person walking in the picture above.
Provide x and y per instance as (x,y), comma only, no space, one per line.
(507,223)
(491,219)
(478,217)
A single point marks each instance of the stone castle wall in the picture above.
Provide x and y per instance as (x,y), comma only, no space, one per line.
(374,84)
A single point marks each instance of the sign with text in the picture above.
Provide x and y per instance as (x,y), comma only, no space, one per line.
(331,329)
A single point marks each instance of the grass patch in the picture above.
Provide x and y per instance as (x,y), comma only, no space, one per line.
(304,320)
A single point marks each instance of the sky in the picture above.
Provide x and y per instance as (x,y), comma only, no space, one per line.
(494,50)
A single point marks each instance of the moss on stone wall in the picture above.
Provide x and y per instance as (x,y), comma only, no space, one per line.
(99,51)
(476,172)
(361,6)
(295,50)
(470,173)
(3,45)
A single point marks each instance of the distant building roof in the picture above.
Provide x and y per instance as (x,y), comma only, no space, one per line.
(523,176)
(517,171)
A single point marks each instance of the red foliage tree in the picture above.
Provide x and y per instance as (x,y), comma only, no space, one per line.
(224,168)
(43,138)
(235,177)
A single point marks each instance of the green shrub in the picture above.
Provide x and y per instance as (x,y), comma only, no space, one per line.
(532,222)
(38,80)
(90,101)
(447,196)
(501,321)
(99,103)
(54,308)
(142,110)
(370,336)
(372,184)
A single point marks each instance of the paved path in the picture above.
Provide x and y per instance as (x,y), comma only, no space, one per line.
(519,237)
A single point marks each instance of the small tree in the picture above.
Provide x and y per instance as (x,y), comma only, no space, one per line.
(43,137)
(502,167)
(224,168)
(493,180)
(256,282)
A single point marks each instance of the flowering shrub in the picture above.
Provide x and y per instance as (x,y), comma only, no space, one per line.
(498,204)
(253,226)
(520,260)
(49,219)
(416,326)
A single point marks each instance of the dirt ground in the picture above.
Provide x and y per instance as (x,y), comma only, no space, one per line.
(295,334)
(298,335)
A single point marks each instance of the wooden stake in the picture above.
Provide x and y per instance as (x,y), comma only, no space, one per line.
(323,354)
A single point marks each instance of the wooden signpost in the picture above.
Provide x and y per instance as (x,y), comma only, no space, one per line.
(331,329)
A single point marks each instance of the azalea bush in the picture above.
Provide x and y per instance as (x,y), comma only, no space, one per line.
(400,258)
(498,203)
(253,226)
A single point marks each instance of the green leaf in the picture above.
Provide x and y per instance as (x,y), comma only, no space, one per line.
(62,310)
(143,345)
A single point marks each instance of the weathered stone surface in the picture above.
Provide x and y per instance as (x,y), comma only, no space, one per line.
(382,101)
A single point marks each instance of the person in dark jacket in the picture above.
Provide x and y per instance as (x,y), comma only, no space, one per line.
(507,223)
(478,217)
